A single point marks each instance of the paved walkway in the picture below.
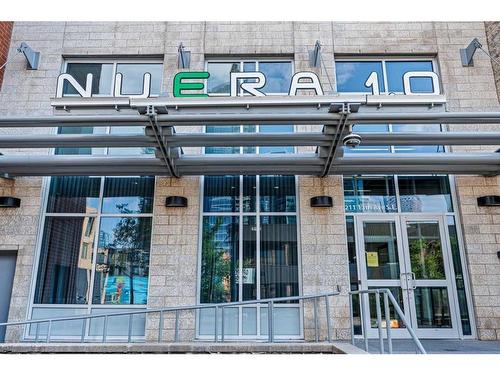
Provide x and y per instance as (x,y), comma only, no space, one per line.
(403,346)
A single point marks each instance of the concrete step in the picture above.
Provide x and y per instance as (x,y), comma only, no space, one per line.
(338,347)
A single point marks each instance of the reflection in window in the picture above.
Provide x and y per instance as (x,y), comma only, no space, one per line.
(122,267)
(74,194)
(64,269)
(222,129)
(426,253)
(128,195)
(221,193)
(433,308)
(369,194)
(276,149)
(278,76)
(277,193)
(102,77)
(396,70)
(278,257)
(459,276)
(425,194)
(219,80)
(79,150)
(219,263)
(249,272)
(352,75)
(133,77)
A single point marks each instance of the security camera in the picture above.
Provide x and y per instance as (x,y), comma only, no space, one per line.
(351,140)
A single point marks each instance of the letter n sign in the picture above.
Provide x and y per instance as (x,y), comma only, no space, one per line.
(180,85)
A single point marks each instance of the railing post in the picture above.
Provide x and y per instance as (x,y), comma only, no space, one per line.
(84,327)
(160,327)
(388,322)
(36,331)
(105,329)
(379,322)
(363,319)
(49,331)
(129,338)
(176,337)
(315,310)
(222,324)
(328,322)
(351,318)
(270,320)
(216,339)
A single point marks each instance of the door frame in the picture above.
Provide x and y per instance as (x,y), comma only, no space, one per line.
(404,281)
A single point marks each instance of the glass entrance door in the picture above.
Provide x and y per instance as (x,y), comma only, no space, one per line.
(410,256)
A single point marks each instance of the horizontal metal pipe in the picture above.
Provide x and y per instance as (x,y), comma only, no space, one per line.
(241,160)
(421,138)
(422,158)
(75,140)
(73,120)
(426,117)
(248,139)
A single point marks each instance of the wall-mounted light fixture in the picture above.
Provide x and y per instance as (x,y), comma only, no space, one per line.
(488,200)
(176,201)
(183,57)
(322,201)
(32,57)
(10,202)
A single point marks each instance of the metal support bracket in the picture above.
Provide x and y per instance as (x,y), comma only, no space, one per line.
(183,57)
(344,109)
(152,113)
(315,56)
(32,57)
(467,54)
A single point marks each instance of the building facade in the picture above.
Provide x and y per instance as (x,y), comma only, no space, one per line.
(99,244)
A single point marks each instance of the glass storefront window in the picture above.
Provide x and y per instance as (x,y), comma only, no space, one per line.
(65,268)
(425,194)
(369,194)
(459,276)
(277,194)
(128,195)
(221,193)
(74,194)
(69,245)
(219,259)
(122,266)
(278,257)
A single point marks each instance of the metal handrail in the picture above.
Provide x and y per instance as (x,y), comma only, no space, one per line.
(177,310)
(388,296)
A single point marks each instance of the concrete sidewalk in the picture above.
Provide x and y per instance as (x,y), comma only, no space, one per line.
(406,346)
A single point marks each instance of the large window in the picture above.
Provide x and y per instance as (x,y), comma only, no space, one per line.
(278,75)
(96,237)
(96,229)
(249,223)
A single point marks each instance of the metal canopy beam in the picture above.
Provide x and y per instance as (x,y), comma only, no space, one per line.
(75,140)
(336,113)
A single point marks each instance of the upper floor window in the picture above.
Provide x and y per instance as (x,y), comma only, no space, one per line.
(364,75)
(278,75)
(104,73)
